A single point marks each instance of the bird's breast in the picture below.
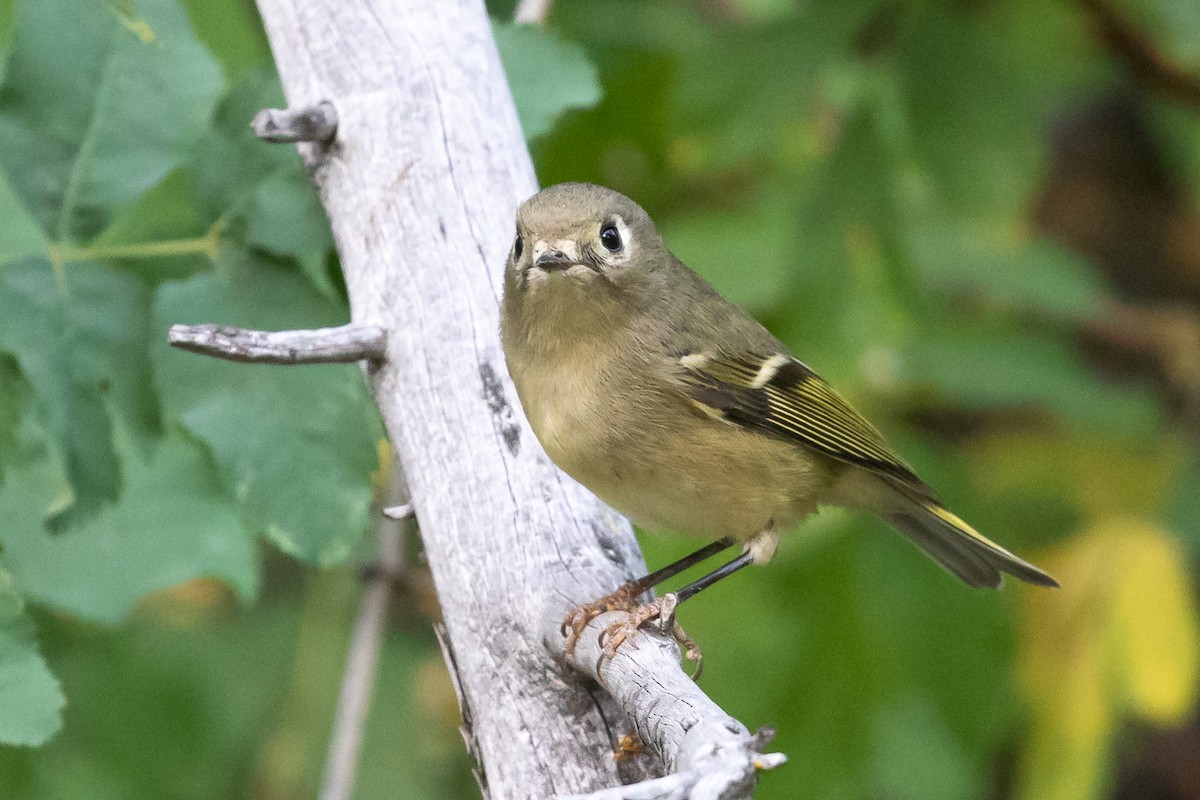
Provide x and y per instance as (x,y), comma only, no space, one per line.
(567,403)
(644,450)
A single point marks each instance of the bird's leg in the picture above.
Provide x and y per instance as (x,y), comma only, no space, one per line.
(625,598)
(724,571)
(758,550)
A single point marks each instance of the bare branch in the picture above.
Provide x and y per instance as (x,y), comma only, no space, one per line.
(510,540)
(532,11)
(315,123)
(1141,55)
(362,657)
(710,753)
(714,782)
(342,345)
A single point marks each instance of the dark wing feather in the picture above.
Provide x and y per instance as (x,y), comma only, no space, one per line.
(780,396)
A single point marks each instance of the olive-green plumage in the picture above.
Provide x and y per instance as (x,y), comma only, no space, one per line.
(680,410)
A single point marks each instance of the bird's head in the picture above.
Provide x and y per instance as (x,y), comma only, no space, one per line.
(574,236)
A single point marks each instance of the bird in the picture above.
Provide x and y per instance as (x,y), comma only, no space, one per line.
(681,411)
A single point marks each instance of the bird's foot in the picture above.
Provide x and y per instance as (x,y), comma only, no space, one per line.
(623,599)
(662,613)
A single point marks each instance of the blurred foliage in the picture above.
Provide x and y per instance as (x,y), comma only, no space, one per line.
(1121,640)
(978,219)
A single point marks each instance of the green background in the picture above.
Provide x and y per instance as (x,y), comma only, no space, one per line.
(977,219)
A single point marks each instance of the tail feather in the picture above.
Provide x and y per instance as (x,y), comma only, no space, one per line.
(968,554)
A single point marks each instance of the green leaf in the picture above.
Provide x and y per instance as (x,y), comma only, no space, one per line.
(79,337)
(285,217)
(260,192)
(20,236)
(161,236)
(1175,127)
(30,697)
(1183,508)
(972,122)
(765,9)
(745,254)
(166,212)
(1039,276)
(229,163)
(14,399)
(7,12)
(232,31)
(1173,28)
(173,523)
(1049,56)
(296,444)
(851,287)
(548,75)
(645,27)
(747,91)
(101,100)
(983,369)
(948,657)
(88,128)
(917,756)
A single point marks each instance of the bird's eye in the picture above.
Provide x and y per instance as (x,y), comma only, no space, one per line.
(610,237)
(518,246)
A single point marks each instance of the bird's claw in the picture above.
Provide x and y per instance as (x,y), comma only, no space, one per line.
(573,625)
(662,613)
(690,647)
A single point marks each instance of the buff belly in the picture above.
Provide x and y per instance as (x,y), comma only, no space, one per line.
(700,476)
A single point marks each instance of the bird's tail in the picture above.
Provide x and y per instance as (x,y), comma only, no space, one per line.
(975,559)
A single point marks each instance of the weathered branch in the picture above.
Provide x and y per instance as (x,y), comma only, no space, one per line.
(342,345)
(726,773)
(421,195)
(709,753)
(316,123)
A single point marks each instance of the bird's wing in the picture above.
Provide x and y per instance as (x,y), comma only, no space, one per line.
(780,396)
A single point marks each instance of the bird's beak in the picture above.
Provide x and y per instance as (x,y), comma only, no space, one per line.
(561,255)
(553,259)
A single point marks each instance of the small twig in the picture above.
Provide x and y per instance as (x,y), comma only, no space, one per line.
(315,123)
(712,755)
(693,784)
(362,658)
(1165,337)
(724,767)
(532,11)
(1139,52)
(403,511)
(341,345)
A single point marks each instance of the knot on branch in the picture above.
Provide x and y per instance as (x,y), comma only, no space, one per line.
(316,123)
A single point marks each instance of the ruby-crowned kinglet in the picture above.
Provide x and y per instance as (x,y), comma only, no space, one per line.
(681,411)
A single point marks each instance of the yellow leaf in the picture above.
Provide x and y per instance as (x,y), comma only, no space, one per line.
(1100,477)
(1156,625)
(385,460)
(1062,668)
(1068,740)
(1120,638)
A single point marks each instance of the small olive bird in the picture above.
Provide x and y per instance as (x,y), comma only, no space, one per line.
(682,412)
